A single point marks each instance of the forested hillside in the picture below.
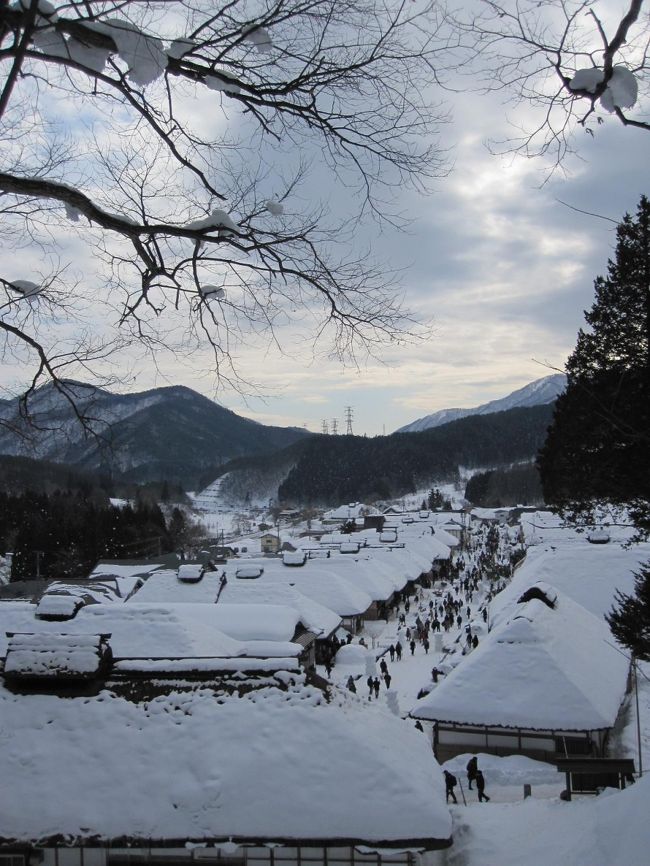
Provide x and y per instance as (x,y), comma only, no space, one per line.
(333,469)
(519,485)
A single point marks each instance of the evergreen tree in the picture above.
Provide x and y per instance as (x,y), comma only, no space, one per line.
(598,447)
(629,619)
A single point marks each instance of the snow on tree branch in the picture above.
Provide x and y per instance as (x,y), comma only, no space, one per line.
(173,144)
(567,59)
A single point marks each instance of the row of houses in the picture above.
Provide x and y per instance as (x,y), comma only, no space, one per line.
(158,714)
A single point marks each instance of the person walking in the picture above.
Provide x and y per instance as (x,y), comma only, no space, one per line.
(412,645)
(472,770)
(425,644)
(387,679)
(398,651)
(383,667)
(450,783)
(391,651)
(351,685)
(480,787)
(371,686)
(375,685)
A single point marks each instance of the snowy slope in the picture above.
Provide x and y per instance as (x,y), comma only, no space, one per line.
(537,393)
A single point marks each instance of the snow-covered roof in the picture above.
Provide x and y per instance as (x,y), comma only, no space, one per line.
(320,620)
(164,587)
(363,574)
(272,765)
(316,580)
(53,655)
(589,574)
(544,668)
(350,511)
(151,631)
(138,569)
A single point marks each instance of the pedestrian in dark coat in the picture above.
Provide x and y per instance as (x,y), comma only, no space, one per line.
(480,787)
(472,770)
(371,685)
(450,783)
(425,644)
(398,651)
(387,679)
(412,645)
(383,667)
(376,686)
(391,651)
(351,685)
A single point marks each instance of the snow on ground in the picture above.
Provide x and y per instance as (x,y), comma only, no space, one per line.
(609,830)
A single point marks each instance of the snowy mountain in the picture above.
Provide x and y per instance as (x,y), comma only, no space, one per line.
(537,393)
(170,433)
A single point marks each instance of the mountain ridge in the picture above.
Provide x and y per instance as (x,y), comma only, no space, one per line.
(536,393)
(171,432)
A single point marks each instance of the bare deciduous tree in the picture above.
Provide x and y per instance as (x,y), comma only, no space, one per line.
(574,62)
(157,171)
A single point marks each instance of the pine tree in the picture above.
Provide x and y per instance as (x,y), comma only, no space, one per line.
(629,619)
(598,447)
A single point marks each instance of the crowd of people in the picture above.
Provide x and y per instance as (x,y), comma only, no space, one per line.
(458,603)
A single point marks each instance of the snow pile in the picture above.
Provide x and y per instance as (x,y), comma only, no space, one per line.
(26,288)
(587,79)
(143,55)
(602,831)
(508,770)
(224,82)
(180,47)
(218,219)
(261,39)
(210,292)
(274,207)
(621,91)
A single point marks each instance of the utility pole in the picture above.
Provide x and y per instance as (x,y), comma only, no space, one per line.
(38,554)
(335,426)
(348,420)
(325,428)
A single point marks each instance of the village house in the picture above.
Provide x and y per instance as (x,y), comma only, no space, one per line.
(270,542)
(498,700)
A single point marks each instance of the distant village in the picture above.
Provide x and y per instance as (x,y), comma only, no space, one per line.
(296,699)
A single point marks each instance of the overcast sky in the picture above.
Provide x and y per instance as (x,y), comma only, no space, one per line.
(492,256)
(503,268)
